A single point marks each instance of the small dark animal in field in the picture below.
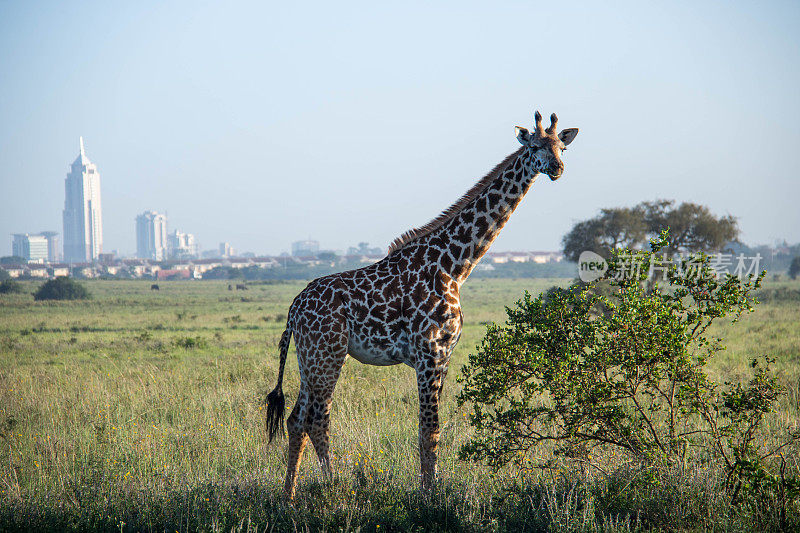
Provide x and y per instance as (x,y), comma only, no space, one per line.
(406,308)
(241,287)
(230,287)
(154,287)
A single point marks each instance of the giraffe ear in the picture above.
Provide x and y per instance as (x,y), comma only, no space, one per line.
(568,135)
(523,136)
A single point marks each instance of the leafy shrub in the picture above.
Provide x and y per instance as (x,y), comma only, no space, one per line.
(10,286)
(191,342)
(61,288)
(631,378)
(236,319)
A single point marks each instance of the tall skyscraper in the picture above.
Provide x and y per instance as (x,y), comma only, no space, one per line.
(151,236)
(83,219)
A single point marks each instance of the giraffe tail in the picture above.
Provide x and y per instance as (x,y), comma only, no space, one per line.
(276,403)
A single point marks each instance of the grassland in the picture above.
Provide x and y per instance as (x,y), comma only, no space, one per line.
(142,410)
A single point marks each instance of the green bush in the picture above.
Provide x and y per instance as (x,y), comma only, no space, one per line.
(10,286)
(62,288)
(630,379)
(191,342)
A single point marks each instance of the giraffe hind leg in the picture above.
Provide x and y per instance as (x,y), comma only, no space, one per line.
(319,431)
(311,414)
(298,438)
(319,414)
(310,418)
(318,427)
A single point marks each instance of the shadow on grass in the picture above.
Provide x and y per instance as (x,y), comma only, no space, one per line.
(631,500)
(380,504)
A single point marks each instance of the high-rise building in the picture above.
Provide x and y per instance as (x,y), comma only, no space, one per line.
(151,236)
(53,246)
(181,245)
(42,246)
(83,219)
(305,248)
(225,249)
(30,247)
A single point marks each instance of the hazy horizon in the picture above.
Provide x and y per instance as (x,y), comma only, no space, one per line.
(260,125)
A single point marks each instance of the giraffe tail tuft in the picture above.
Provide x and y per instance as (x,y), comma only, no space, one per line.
(276,407)
(276,403)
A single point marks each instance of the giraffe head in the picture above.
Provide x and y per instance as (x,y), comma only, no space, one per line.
(544,146)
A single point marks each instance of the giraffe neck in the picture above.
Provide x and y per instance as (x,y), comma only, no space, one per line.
(468,235)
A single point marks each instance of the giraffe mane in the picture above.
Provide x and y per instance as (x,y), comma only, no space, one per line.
(446,215)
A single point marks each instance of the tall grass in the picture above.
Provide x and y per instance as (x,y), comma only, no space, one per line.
(142,410)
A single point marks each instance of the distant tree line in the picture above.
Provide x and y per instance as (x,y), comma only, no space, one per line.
(289,270)
(299,271)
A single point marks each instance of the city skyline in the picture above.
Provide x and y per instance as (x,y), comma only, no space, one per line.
(82,187)
(241,134)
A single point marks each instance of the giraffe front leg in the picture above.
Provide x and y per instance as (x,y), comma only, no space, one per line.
(429,382)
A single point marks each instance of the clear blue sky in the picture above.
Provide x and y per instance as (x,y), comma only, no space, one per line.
(262,124)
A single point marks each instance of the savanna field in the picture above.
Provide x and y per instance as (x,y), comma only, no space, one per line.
(141,410)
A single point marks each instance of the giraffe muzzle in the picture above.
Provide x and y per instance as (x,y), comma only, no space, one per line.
(555,173)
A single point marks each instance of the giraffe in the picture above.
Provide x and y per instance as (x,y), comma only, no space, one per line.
(404,308)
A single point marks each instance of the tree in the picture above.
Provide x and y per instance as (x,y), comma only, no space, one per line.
(632,378)
(794,267)
(693,228)
(614,228)
(61,288)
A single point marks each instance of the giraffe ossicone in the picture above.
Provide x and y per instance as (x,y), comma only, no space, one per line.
(405,308)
